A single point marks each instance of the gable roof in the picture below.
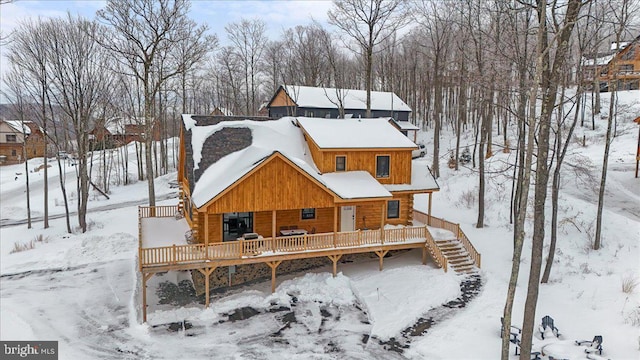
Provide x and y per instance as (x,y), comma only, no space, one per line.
(354,133)
(327,98)
(18,126)
(268,139)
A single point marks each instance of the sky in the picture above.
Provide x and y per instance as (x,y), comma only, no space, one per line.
(278,15)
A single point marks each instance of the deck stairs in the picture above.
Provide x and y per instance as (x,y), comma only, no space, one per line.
(457,256)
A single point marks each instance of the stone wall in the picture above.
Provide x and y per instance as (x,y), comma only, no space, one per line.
(254,273)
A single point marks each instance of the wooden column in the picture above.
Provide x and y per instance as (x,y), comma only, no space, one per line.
(381,254)
(207,272)
(273,265)
(429,211)
(334,259)
(206,231)
(383,215)
(145,277)
(424,255)
(273,224)
(335,224)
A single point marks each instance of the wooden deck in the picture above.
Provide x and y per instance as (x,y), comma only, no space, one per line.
(272,251)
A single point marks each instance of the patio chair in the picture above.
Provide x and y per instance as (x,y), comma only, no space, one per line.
(535,355)
(593,346)
(547,323)
(514,332)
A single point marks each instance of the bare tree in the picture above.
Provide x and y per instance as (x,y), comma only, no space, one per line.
(368,23)
(250,41)
(549,82)
(143,34)
(28,51)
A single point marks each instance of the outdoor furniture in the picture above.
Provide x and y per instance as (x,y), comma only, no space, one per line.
(535,355)
(293,232)
(250,236)
(547,325)
(593,346)
(562,349)
(514,331)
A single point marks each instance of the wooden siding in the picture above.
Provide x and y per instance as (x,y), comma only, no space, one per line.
(275,185)
(399,167)
(215,228)
(282,99)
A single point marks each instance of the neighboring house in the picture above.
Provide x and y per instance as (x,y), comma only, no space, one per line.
(14,135)
(291,100)
(406,128)
(286,195)
(119,131)
(220,111)
(623,68)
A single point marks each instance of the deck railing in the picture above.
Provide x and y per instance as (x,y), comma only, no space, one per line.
(157,211)
(435,251)
(454,228)
(180,254)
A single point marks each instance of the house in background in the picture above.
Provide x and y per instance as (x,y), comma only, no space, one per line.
(406,128)
(220,111)
(121,130)
(286,194)
(292,100)
(623,68)
(16,135)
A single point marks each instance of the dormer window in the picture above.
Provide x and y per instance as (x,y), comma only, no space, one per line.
(382,166)
(341,163)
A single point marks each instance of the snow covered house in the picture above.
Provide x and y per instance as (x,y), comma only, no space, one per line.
(623,68)
(264,195)
(291,100)
(16,134)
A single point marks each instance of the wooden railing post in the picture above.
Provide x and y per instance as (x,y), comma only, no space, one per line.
(241,243)
(305,242)
(173,259)
(359,237)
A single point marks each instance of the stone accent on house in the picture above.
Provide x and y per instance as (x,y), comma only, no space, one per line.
(253,273)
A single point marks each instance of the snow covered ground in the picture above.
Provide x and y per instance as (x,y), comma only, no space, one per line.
(82,289)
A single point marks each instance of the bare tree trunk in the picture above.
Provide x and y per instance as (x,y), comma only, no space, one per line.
(605,163)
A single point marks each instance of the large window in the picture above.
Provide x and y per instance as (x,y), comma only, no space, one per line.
(308,214)
(236,224)
(11,138)
(341,163)
(393,209)
(382,166)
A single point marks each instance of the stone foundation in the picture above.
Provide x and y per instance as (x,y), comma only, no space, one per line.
(220,280)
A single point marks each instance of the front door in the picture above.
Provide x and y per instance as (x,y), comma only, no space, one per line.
(347,218)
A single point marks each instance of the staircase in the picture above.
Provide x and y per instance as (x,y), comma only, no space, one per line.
(457,256)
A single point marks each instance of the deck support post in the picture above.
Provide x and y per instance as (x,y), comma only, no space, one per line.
(429,210)
(207,272)
(145,277)
(381,254)
(273,225)
(334,259)
(424,255)
(273,265)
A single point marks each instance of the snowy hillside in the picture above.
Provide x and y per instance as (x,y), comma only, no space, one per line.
(82,289)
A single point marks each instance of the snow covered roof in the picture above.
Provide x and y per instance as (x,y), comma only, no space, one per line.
(117,126)
(421,179)
(354,133)
(19,126)
(405,125)
(327,98)
(268,139)
(598,61)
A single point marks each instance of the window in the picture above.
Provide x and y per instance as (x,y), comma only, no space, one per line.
(382,166)
(393,209)
(309,213)
(308,113)
(626,68)
(13,152)
(11,138)
(341,163)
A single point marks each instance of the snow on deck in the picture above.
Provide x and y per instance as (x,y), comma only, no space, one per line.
(163,231)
